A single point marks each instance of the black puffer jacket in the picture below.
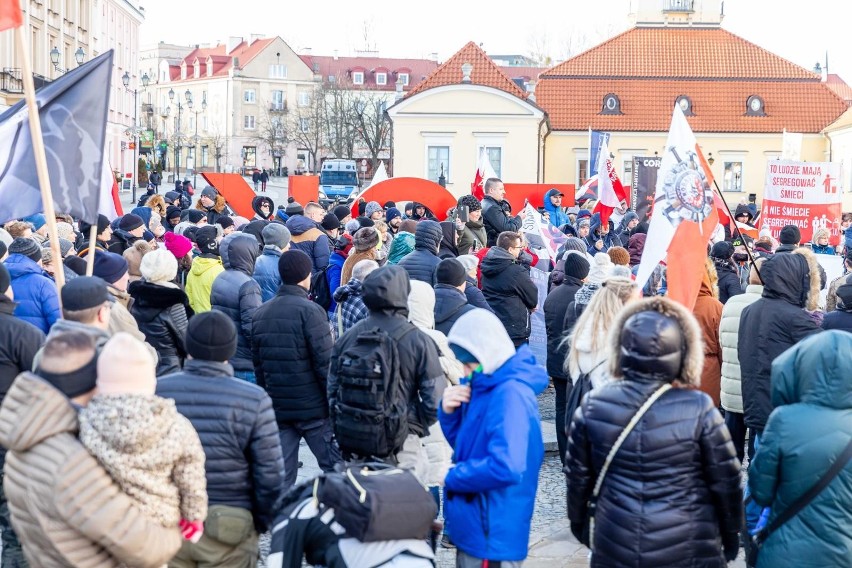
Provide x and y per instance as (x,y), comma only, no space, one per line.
(555,307)
(770,326)
(161,313)
(236,425)
(671,496)
(291,345)
(236,294)
(729,280)
(423,261)
(496,216)
(450,305)
(385,293)
(509,291)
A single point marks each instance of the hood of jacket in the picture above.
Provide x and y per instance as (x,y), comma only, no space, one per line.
(386,290)
(19,265)
(352,288)
(218,205)
(692,353)
(793,278)
(239,251)
(449,236)
(635,246)
(421,305)
(148,295)
(258,201)
(428,236)
(742,209)
(299,224)
(100,336)
(202,264)
(548,205)
(33,411)
(451,301)
(146,421)
(817,370)
(520,367)
(481,333)
(629,216)
(496,261)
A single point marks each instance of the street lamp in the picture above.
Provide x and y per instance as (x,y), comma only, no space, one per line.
(195,138)
(188,96)
(79,56)
(125,79)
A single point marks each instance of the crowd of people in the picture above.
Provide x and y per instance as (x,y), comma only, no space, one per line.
(153,409)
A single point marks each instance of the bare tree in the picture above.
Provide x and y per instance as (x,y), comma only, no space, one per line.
(538,48)
(305,125)
(271,129)
(218,142)
(339,128)
(373,126)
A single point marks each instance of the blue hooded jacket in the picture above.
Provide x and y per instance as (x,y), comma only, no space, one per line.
(558,217)
(266,272)
(35,292)
(497,442)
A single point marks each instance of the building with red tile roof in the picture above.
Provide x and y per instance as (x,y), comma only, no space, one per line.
(369,72)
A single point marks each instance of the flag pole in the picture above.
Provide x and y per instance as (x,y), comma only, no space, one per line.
(731,216)
(90,256)
(40,159)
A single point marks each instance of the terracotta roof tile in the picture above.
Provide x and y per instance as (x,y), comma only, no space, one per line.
(340,67)
(485,72)
(222,60)
(839,86)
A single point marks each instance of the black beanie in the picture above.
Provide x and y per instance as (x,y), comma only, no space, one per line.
(224,221)
(211,336)
(103,223)
(130,222)
(330,222)
(294,266)
(205,238)
(195,216)
(451,271)
(5,279)
(722,250)
(575,265)
(172,212)
(790,235)
(342,211)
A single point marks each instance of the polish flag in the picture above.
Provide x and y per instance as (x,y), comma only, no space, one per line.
(483,172)
(10,14)
(109,203)
(684,218)
(610,190)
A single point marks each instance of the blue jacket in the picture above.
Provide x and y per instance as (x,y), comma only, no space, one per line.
(266,272)
(35,292)
(335,268)
(307,237)
(498,453)
(594,236)
(558,217)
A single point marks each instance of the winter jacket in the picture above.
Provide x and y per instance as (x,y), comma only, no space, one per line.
(498,450)
(729,330)
(708,313)
(808,430)
(291,344)
(309,238)
(199,283)
(555,307)
(609,239)
(236,426)
(729,281)
(496,216)
(474,295)
(672,494)
(772,324)
(421,263)
(839,319)
(35,292)
(257,202)
(635,246)
(219,209)
(558,217)
(237,294)
(121,241)
(66,509)
(450,305)
(350,306)
(826,249)
(509,291)
(622,232)
(448,247)
(354,258)
(386,296)
(332,275)
(266,272)
(831,295)
(161,312)
(151,451)
(472,238)
(402,246)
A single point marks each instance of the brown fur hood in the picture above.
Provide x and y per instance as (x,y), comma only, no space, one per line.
(815,278)
(218,207)
(693,360)
(157,205)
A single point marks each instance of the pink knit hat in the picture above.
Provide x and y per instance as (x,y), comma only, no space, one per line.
(125,366)
(178,245)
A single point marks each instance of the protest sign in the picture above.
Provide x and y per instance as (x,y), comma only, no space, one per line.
(538,335)
(644,185)
(542,237)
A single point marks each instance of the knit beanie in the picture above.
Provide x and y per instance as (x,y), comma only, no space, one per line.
(294,208)
(27,247)
(130,222)
(277,235)
(450,271)
(205,238)
(224,221)
(125,366)
(66,231)
(195,216)
(469,261)
(172,212)
(211,336)
(600,269)
(471,202)
(330,222)
(37,221)
(109,266)
(210,192)
(790,235)
(576,265)
(294,266)
(371,208)
(722,250)
(392,214)
(178,245)
(159,266)
(352,226)
(365,239)
(342,212)
(365,221)
(5,279)
(574,243)
(584,214)
(619,255)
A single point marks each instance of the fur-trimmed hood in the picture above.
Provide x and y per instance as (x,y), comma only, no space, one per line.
(157,204)
(218,207)
(815,283)
(692,360)
(787,278)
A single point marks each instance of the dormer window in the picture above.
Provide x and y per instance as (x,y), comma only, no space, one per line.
(381,78)
(183,70)
(357,77)
(196,70)
(611,104)
(755,106)
(685,104)
(209,68)
(404,78)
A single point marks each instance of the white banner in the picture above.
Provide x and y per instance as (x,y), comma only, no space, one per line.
(543,238)
(538,331)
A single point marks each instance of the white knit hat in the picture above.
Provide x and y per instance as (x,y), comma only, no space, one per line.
(469,261)
(159,265)
(601,268)
(126,366)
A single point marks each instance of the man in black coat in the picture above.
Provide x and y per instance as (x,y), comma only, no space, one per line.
(575,268)
(729,281)
(291,345)
(385,293)
(236,426)
(507,287)
(450,300)
(422,262)
(497,212)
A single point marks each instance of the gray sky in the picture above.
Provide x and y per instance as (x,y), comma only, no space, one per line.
(798,31)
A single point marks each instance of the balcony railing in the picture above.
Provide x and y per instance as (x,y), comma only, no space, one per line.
(278,107)
(11,81)
(679,5)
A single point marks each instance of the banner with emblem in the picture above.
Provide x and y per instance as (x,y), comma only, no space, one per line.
(644,185)
(542,237)
(684,215)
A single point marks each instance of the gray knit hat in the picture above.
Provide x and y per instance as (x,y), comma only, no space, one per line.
(371,208)
(574,243)
(276,234)
(27,247)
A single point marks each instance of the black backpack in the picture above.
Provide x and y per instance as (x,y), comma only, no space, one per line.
(320,290)
(370,416)
(578,390)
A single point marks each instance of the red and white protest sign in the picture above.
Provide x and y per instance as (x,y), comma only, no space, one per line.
(805,194)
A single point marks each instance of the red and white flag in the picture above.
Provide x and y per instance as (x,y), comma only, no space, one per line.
(610,190)
(10,14)
(684,217)
(109,203)
(483,172)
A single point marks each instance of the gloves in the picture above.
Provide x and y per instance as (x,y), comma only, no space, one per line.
(191,530)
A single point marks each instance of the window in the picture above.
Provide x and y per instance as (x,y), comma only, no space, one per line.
(277,71)
(304,124)
(332,79)
(249,154)
(249,96)
(248,122)
(627,172)
(404,78)
(277,100)
(192,123)
(611,104)
(358,78)
(495,156)
(381,78)
(733,177)
(304,98)
(438,161)
(205,155)
(204,122)
(582,171)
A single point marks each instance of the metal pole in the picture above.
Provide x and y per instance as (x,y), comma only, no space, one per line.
(135,171)
(195,162)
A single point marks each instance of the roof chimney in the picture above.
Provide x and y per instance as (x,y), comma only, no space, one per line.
(233,42)
(307,51)
(254,38)
(434,56)
(335,55)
